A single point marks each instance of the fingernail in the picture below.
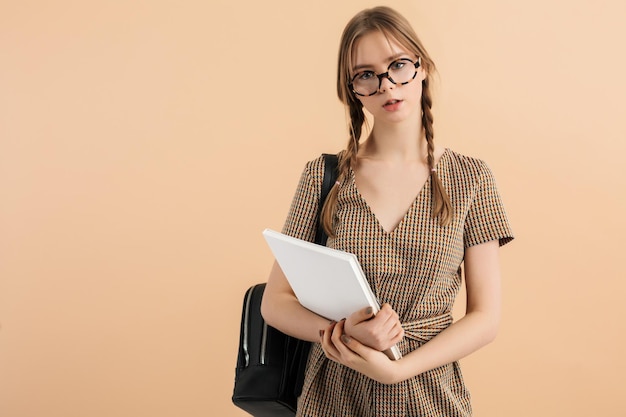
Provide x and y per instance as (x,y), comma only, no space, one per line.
(321,333)
(368,310)
(345,339)
(332,323)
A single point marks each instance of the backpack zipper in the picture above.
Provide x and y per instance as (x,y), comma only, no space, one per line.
(246,330)
(263,343)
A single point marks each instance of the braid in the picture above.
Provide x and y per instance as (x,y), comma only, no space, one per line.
(442,207)
(346,160)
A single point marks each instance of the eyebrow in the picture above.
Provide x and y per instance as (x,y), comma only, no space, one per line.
(390,59)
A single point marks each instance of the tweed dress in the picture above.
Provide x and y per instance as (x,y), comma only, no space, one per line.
(417,269)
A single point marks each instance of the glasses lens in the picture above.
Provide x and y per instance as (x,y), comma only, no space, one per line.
(402,71)
(365,83)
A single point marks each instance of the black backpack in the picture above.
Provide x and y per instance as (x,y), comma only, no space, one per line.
(271,365)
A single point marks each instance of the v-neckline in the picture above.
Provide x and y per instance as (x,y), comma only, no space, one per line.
(409,209)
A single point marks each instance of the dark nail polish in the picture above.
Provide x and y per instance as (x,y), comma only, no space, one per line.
(321,333)
(368,311)
(345,339)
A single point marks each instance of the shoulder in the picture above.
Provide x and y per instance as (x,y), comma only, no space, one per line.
(315,167)
(467,168)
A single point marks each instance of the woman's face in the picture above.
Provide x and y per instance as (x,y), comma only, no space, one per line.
(376,54)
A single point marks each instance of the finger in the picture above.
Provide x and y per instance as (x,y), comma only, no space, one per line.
(337,331)
(390,318)
(352,349)
(389,328)
(388,313)
(387,318)
(361,315)
(396,338)
(338,336)
(345,343)
(385,324)
(327,344)
(342,337)
(394,331)
(387,309)
(326,334)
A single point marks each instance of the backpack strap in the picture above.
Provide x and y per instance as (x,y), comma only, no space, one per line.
(330,176)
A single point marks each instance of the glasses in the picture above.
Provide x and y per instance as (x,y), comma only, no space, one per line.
(399,72)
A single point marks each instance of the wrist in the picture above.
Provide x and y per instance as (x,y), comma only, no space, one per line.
(398,374)
(394,373)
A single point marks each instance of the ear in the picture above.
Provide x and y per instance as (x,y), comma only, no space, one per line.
(422,72)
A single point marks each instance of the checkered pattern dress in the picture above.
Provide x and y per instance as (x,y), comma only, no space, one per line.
(417,269)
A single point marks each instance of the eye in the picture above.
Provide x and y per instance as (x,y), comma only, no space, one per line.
(396,65)
(364,76)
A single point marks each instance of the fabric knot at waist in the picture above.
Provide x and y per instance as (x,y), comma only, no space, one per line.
(423,330)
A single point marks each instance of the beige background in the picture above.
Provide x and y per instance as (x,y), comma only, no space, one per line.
(144,145)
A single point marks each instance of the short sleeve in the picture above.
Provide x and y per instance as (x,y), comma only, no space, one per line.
(301,221)
(486,219)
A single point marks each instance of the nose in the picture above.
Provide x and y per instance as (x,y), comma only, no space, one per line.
(382,80)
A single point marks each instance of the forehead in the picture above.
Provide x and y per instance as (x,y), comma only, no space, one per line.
(376,48)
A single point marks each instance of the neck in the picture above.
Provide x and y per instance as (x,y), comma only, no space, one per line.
(397,142)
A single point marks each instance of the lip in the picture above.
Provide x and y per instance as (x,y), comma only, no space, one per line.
(392,104)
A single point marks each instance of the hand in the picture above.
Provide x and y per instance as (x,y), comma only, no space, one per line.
(348,351)
(379,332)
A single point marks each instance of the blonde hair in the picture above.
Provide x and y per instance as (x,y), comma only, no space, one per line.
(392,24)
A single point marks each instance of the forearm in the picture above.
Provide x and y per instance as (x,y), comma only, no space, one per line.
(473,331)
(282,310)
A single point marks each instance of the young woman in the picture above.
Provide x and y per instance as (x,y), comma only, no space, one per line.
(412,212)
